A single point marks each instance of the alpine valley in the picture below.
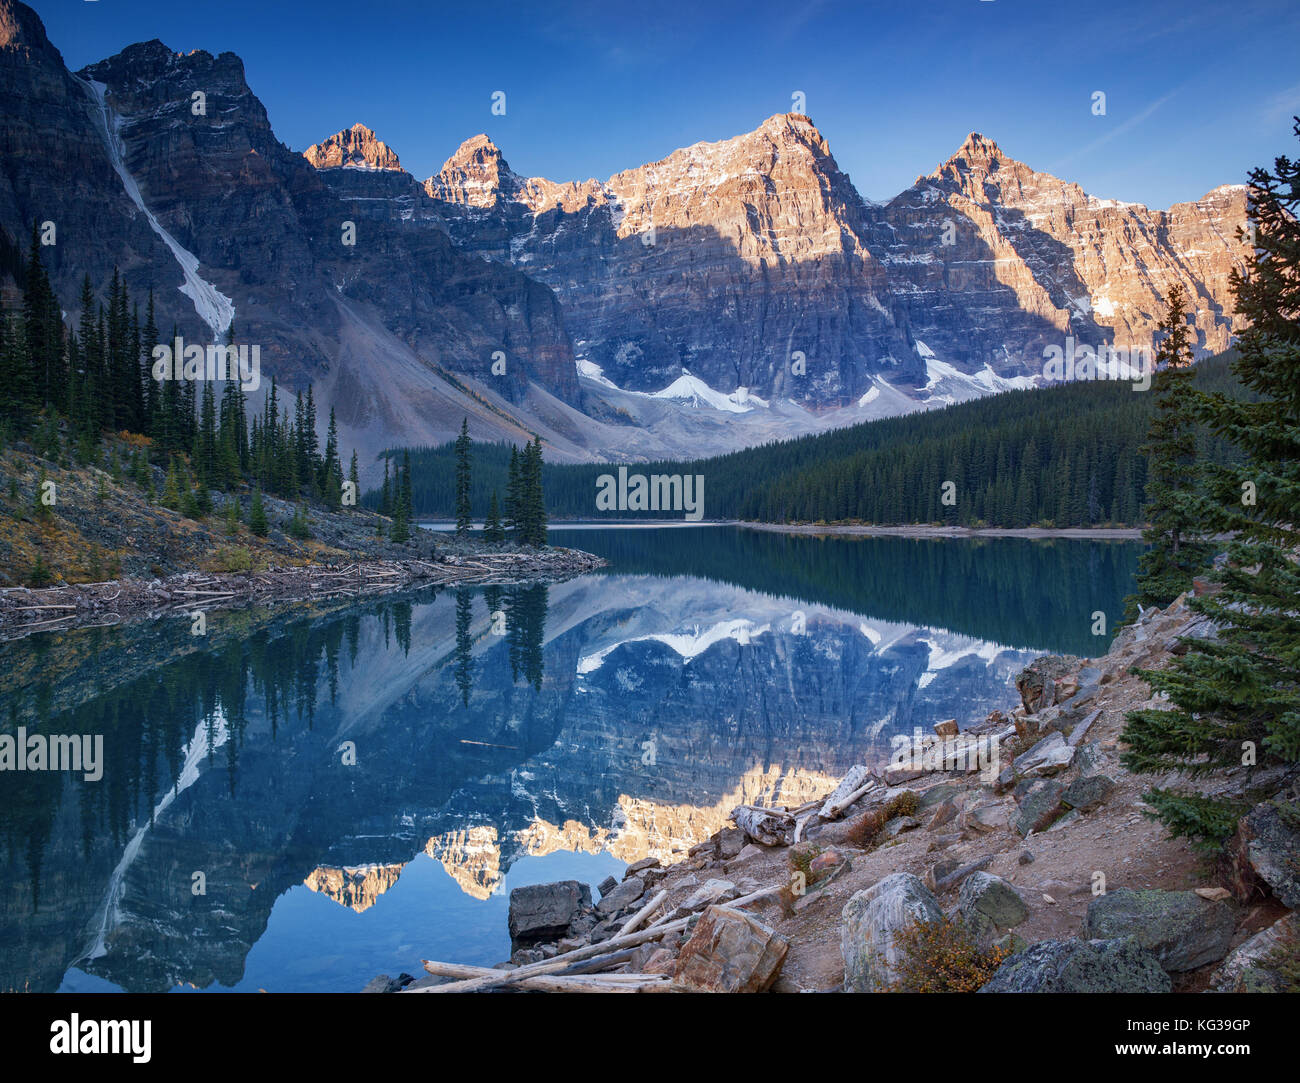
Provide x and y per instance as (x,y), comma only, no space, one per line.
(730,294)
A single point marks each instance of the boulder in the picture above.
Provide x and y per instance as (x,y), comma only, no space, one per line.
(946,729)
(1262,853)
(991,816)
(871,922)
(1080,730)
(1037,682)
(1087,792)
(942,814)
(730,951)
(544,911)
(1048,757)
(708,893)
(1040,805)
(1250,968)
(621,896)
(1182,930)
(638,867)
(897,826)
(607,885)
(731,840)
(993,897)
(1080,966)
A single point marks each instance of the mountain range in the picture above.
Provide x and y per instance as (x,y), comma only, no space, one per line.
(729,294)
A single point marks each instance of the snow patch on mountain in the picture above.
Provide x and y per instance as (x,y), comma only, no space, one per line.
(214,307)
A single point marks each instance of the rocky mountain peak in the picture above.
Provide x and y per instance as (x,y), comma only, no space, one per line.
(476,174)
(21,28)
(353,148)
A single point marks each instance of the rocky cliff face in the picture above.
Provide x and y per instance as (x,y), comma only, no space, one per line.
(354,148)
(995,261)
(731,293)
(726,258)
(723,259)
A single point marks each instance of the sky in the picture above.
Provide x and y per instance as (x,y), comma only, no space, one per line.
(1196,93)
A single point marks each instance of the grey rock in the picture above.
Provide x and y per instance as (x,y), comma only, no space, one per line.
(621,896)
(1182,930)
(1267,842)
(993,897)
(871,922)
(544,911)
(1040,805)
(1086,793)
(607,885)
(707,894)
(1080,966)
(1048,757)
(1250,968)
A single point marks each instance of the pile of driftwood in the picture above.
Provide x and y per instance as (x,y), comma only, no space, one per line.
(25,610)
(593,968)
(785,826)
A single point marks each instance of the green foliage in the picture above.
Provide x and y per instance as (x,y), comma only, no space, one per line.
(464,516)
(299,526)
(494,532)
(1063,456)
(40,575)
(1176,550)
(257,516)
(1236,698)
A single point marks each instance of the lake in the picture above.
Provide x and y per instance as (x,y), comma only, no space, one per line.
(306,797)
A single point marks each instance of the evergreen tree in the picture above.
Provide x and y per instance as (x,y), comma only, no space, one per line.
(1236,698)
(464,520)
(354,476)
(1173,511)
(514,495)
(493,531)
(257,516)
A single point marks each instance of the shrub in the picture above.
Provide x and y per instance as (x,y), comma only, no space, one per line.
(940,957)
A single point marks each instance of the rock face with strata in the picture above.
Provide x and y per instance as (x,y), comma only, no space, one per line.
(353,148)
(724,258)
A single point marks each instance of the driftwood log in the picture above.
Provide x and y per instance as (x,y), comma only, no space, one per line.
(766,826)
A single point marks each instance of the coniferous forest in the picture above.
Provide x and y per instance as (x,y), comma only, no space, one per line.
(1068,456)
(78,384)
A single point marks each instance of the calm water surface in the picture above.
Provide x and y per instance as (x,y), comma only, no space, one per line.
(308,797)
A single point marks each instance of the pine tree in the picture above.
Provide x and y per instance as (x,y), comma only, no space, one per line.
(464,520)
(1173,511)
(514,495)
(493,532)
(171,497)
(257,516)
(1236,698)
(532,498)
(354,476)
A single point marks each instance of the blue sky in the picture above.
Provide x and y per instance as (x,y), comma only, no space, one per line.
(1196,92)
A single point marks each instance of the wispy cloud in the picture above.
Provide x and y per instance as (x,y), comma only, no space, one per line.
(1120,129)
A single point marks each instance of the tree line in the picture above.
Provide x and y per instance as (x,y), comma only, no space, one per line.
(95,378)
(454,479)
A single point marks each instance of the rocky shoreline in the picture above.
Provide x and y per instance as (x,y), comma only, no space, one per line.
(1036,862)
(27,610)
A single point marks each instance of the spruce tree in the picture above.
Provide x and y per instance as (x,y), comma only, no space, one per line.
(464,520)
(257,516)
(493,532)
(514,495)
(1176,551)
(1236,698)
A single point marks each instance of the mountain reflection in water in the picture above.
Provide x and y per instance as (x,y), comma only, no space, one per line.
(306,797)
